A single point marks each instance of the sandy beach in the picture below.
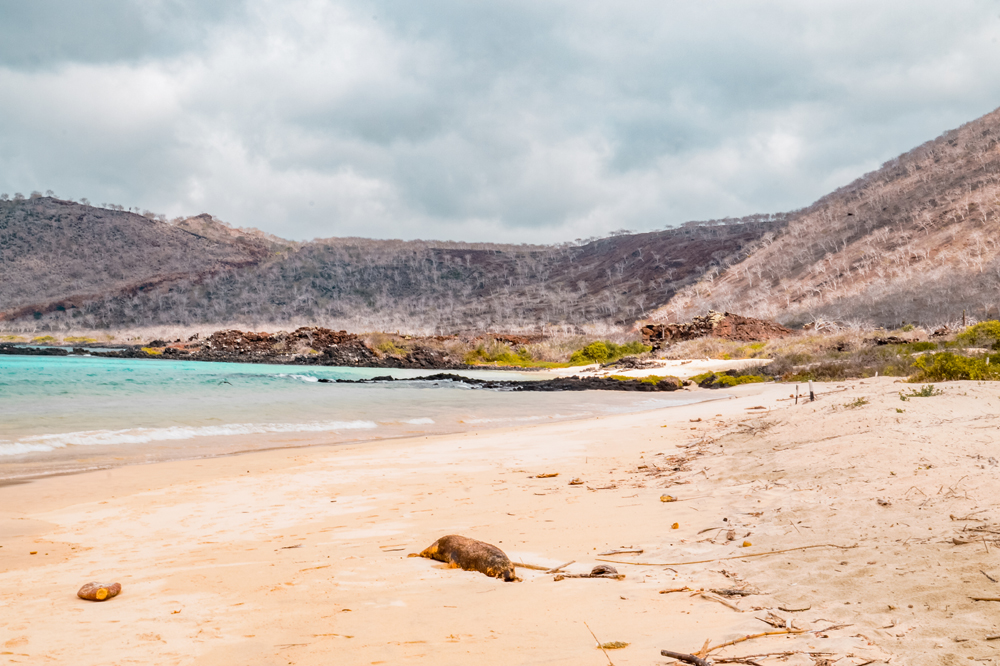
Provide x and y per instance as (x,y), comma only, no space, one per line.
(299,556)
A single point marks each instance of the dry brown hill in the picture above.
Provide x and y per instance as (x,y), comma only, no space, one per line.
(68,265)
(57,255)
(915,241)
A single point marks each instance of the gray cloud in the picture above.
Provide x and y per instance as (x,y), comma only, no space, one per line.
(509,120)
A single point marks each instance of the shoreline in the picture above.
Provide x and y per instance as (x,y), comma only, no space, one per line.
(98,457)
(299,555)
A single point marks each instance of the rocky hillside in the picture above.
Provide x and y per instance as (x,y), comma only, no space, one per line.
(916,241)
(58,255)
(66,265)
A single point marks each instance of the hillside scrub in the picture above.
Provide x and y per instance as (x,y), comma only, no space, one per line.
(914,241)
(727,379)
(68,265)
(948,366)
(983,334)
(605,351)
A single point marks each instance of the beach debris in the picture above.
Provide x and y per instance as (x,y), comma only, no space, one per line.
(675,526)
(686,658)
(599,644)
(621,551)
(776,621)
(746,544)
(547,475)
(613,645)
(99,591)
(883,502)
(667,498)
(600,571)
(576,482)
(732,592)
(712,597)
(561,566)
(676,589)
(731,535)
(470,555)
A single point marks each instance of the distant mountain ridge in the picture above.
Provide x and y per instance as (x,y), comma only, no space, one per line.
(64,265)
(918,241)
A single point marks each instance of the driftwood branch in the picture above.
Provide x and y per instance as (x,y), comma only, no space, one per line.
(616,576)
(728,604)
(686,658)
(561,566)
(752,636)
(599,644)
(534,567)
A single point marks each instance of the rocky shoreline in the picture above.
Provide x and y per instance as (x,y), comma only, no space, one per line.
(338,355)
(557,384)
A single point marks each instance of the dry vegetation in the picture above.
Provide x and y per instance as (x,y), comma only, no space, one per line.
(915,241)
(66,265)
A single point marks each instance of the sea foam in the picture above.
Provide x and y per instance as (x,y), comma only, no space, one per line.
(41,443)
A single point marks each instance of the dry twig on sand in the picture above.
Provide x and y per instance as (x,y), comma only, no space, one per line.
(712,597)
(723,559)
(686,658)
(599,644)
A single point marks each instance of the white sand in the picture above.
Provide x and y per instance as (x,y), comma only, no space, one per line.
(299,556)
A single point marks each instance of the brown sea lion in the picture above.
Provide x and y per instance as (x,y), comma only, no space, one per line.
(471,555)
(99,591)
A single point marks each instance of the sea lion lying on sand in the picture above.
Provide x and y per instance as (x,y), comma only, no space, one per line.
(471,555)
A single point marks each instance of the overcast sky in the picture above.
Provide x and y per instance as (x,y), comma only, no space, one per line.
(506,120)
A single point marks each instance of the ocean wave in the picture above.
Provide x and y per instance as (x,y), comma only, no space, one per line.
(42,443)
(302,378)
(19,448)
(423,421)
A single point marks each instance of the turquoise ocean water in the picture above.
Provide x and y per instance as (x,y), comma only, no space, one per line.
(65,414)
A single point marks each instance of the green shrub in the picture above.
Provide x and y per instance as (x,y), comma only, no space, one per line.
(499,353)
(44,340)
(926,391)
(713,380)
(648,379)
(854,404)
(948,366)
(907,328)
(605,351)
(391,348)
(983,334)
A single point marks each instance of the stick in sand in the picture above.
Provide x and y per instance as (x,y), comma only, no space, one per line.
(723,559)
(599,643)
(686,658)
